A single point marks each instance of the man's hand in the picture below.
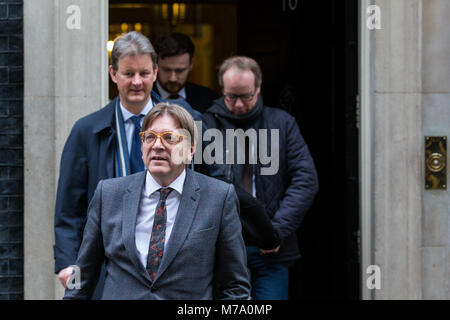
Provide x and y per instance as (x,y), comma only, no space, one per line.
(262,251)
(64,275)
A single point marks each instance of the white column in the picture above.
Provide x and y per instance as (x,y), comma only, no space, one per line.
(397,162)
(365,76)
(65,79)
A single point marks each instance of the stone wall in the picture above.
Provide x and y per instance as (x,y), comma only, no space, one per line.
(436,122)
(411,98)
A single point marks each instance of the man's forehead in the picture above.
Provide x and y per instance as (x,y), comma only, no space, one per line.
(171,68)
(165,122)
(183,58)
(128,60)
(234,75)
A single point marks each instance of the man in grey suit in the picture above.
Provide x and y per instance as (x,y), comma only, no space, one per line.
(167,232)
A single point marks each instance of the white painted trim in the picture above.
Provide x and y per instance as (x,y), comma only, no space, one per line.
(365,149)
(105,33)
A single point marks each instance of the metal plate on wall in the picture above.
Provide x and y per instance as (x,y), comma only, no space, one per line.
(436,162)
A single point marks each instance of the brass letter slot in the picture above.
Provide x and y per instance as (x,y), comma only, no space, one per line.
(435,162)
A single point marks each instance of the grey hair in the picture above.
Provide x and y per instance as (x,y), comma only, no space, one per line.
(241,63)
(132,44)
(177,112)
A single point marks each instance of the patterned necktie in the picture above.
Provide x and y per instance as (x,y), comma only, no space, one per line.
(157,240)
(136,163)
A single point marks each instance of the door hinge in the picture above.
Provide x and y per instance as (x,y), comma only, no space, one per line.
(357,235)
(358,112)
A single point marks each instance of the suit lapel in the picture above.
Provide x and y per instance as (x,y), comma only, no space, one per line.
(109,152)
(103,127)
(187,89)
(131,201)
(183,221)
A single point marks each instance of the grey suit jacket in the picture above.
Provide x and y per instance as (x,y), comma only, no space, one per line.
(204,259)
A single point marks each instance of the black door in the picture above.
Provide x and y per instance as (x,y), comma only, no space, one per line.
(308,55)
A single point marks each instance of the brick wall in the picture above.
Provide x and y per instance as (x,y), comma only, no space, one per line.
(11,149)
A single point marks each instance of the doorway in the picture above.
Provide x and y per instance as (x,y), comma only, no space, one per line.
(308,52)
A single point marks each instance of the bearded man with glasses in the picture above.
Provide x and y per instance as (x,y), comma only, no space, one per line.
(167,232)
(274,202)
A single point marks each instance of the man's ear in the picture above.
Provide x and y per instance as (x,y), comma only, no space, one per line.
(191,64)
(155,73)
(192,151)
(258,90)
(188,157)
(113,74)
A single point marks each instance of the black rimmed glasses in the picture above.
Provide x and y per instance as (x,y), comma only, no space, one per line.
(230,97)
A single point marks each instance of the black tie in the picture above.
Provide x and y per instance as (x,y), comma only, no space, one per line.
(157,240)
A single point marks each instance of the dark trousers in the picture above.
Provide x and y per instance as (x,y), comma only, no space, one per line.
(269,281)
(98,292)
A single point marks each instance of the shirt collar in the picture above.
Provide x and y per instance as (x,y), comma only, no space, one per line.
(151,186)
(127,114)
(165,95)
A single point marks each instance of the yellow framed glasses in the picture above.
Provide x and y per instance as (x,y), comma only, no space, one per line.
(167,137)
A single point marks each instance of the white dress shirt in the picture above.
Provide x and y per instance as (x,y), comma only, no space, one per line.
(146,214)
(165,95)
(128,123)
